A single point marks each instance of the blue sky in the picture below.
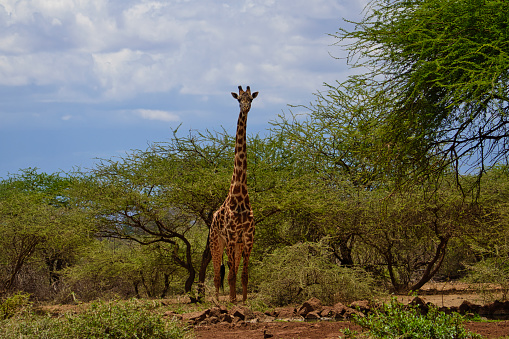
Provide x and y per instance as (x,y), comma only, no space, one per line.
(87,79)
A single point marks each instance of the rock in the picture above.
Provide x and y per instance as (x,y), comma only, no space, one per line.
(210,320)
(195,317)
(468,307)
(262,317)
(313,315)
(272,313)
(361,305)
(311,305)
(287,313)
(225,318)
(339,309)
(215,312)
(421,305)
(327,311)
(498,309)
(350,312)
(484,311)
(242,312)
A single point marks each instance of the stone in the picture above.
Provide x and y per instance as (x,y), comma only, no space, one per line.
(272,313)
(421,304)
(215,312)
(287,313)
(327,312)
(313,315)
(242,312)
(311,305)
(361,305)
(226,318)
(468,307)
(339,309)
(196,316)
(350,312)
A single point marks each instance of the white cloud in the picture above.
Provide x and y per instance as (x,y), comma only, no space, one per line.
(150,114)
(118,50)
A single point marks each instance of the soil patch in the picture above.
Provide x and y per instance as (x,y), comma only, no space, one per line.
(319,330)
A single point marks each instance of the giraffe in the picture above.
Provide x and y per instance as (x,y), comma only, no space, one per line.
(233,223)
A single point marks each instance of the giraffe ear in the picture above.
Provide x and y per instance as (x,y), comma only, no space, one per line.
(235,95)
(255,94)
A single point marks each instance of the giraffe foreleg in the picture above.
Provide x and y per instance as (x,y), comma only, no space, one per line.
(232,271)
(245,275)
(217,249)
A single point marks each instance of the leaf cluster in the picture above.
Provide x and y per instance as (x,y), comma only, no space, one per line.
(394,320)
(433,82)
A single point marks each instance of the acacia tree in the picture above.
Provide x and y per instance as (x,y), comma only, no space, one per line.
(38,224)
(163,195)
(434,84)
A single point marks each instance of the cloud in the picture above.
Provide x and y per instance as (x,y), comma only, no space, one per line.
(117,50)
(150,114)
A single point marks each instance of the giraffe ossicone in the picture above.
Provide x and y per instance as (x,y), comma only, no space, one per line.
(232,225)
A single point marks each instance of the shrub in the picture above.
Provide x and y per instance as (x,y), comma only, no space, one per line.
(394,320)
(14,304)
(296,273)
(118,320)
(490,271)
(131,319)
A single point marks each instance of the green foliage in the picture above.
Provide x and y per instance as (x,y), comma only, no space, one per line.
(14,304)
(39,224)
(116,320)
(492,271)
(490,244)
(115,268)
(394,320)
(296,273)
(431,93)
(130,319)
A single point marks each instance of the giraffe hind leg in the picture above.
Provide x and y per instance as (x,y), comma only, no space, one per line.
(217,249)
(232,273)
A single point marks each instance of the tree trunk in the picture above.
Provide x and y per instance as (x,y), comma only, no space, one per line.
(166,285)
(345,250)
(433,266)
(27,245)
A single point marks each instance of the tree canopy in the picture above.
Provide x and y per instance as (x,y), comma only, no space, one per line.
(432,83)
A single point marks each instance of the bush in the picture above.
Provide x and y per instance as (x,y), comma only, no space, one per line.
(14,304)
(492,271)
(395,320)
(296,273)
(131,319)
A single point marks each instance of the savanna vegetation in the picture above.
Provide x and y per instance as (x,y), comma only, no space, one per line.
(393,177)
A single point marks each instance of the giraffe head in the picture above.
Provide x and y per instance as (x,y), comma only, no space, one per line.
(244,98)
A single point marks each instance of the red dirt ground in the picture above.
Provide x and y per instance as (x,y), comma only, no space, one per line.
(319,330)
(440,294)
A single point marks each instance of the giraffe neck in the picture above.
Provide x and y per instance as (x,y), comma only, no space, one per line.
(239,177)
(240,167)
